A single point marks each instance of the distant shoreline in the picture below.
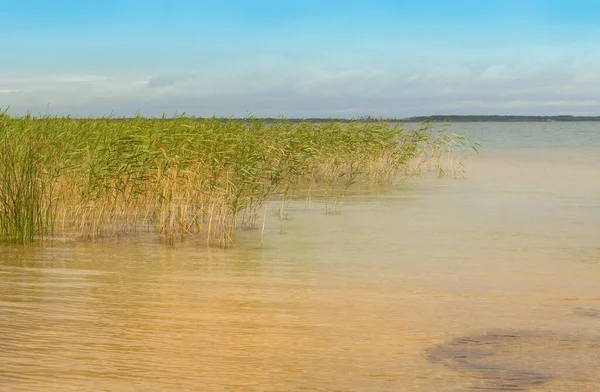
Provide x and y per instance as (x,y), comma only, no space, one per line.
(458,118)
(499,118)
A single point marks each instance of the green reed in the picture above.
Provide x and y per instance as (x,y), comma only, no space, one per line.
(186,176)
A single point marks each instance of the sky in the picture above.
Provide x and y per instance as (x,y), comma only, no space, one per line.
(293,58)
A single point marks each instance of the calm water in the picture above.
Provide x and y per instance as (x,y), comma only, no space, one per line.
(488,283)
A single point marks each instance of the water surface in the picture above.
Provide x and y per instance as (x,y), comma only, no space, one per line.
(486,283)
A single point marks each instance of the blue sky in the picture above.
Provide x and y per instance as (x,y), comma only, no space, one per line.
(300,58)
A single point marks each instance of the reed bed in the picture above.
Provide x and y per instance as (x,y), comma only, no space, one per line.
(89,178)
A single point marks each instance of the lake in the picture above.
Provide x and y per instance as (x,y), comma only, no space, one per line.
(486,283)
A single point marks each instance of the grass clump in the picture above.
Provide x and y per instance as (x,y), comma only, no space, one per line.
(185,176)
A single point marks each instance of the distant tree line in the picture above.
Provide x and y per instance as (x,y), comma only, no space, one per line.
(498,118)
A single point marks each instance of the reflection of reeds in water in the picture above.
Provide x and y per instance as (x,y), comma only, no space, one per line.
(184,176)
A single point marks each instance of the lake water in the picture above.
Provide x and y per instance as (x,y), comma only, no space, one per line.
(487,283)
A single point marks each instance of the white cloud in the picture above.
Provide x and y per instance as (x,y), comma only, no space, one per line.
(9,91)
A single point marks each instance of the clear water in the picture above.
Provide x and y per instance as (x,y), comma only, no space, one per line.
(486,283)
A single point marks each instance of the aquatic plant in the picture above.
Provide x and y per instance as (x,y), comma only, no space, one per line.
(185,176)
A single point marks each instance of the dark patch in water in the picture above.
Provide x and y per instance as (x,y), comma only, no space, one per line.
(587,312)
(514,360)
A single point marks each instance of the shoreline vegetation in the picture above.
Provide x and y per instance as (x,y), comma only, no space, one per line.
(184,176)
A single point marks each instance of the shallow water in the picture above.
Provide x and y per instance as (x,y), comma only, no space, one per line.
(487,283)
